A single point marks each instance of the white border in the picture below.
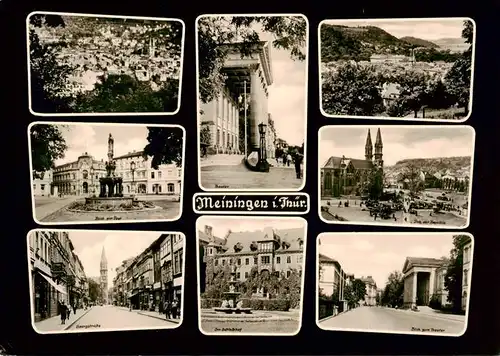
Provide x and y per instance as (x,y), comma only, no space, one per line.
(100,330)
(353,235)
(250,212)
(428,226)
(305,107)
(181,200)
(243,333)
(374,21)
(181,68)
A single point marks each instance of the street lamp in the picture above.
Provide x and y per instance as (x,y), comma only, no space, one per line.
(244,100)
(132,169)
(262,164)
(343,166)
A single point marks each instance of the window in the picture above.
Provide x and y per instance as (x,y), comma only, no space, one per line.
(159,174)
(42,187)
(466,275)
(238,275)
(255,260)
(288,273)
(278,259)
(216,263)
(246,274)
(34,186)
(239,261)
(265,259)
(299,259)
(170,187)
(247,261)
(152,175)
(223,262)
(288,259)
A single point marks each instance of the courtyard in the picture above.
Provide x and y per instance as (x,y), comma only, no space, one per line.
(239,177)
(52,209)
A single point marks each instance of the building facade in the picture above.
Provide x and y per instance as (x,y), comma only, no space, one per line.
(332,280)
(42,184)
(350,176)
(244,95)
(103,268)
(371,291)
(280,252)
(466,271)
(57,274)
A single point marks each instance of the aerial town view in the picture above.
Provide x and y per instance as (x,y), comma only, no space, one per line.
(249,137)
(105,173)
(404,68)
(250,275)
(94,64)
(402,175)
(404,283)
(88,281)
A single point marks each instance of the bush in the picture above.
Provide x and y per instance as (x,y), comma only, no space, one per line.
(435,303)
(254,304)
(209,303)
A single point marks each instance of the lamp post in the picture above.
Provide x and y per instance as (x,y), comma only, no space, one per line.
(262,164)
(244,100)
(343,166)
(132,169)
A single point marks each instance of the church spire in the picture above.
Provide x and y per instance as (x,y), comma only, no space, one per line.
(104,261)
(378,149)
(368,147)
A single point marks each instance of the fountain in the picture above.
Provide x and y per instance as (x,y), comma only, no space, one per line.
(111,187)
(230,304)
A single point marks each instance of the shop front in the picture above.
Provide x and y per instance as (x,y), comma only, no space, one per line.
(135,298)
(45,292)
(157,297)
(177,293)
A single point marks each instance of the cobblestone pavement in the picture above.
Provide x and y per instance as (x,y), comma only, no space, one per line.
(45,206)
(168,210)
(353,213)
(239,177)
(386,319)
(111,317)
(153,314)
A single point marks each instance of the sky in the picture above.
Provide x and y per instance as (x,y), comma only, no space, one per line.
(119,246)
(288,93)
(379,255)
(94,140)
(398,142)
(220,225)
(425,29)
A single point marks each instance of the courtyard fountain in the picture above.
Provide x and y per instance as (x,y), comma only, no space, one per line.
(230,304)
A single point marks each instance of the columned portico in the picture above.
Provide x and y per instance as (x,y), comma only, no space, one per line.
(420,280)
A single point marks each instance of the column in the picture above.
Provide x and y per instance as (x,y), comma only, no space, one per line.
(432,282)
(414,289)
(255,110)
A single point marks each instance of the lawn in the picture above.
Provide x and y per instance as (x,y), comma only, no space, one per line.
(251,327)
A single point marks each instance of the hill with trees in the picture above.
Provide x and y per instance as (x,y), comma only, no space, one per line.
(432,165)
(419,42)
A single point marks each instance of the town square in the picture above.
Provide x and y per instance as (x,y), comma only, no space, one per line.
(410,176)
(409,283)
(92,173)
(250,275)
(86,281)
(249,137)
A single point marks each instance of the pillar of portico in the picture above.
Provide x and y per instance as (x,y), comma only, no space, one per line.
(256,109)
(432,282)
(414,289)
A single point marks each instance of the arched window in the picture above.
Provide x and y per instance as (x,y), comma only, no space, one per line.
(328,180)
(85,174)
(171,187)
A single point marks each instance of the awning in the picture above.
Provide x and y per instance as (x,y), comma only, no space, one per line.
(58,287)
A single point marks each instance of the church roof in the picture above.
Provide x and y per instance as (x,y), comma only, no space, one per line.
(334,162)
(422,262)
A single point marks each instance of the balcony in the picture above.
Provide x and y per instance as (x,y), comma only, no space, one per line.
(58,269)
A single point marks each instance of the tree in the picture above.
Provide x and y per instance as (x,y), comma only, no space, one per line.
(411,176)
(413,91)
(217,282)
(375,183)
(95,291)
(123,93)
(290,33)
(458,79)
(47,145)
(165,146)
(394,289)
(48,76)
(358,289)
(352,89)
(454,273)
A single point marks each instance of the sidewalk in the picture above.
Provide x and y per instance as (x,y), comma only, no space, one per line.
(152,314)
(54,323)
(42,211)
(435,314)
(221,160)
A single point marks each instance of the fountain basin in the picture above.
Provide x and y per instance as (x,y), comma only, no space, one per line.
(114,202)
(234,310)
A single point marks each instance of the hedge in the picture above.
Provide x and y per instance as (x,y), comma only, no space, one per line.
(254,304)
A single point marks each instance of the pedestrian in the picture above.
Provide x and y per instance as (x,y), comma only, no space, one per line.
(298,162)
(74,308)
(288,159)
(175,305)
(284,160)
(68,310)
(62,312)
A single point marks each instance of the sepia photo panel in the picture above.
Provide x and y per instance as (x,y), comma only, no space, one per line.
(411,68)
(251,275)
(417,176)
(88,64)
(97,281)
(397,283)
(252,101)
(105,173)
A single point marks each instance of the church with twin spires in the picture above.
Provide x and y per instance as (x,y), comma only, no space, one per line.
(348,176)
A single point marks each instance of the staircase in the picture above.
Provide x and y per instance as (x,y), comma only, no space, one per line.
(221,160)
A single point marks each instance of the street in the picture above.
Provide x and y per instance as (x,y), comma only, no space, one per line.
(111,317)
(386,319)
(240,177)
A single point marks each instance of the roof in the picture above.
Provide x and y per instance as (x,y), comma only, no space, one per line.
(326,259)
(334,162)
(368,280)
(204,237)
(130,154)
(422,262)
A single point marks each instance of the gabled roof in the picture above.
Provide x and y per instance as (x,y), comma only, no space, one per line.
(334,162)
(326,259)
(422,262)
(206,238)
(368,280)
